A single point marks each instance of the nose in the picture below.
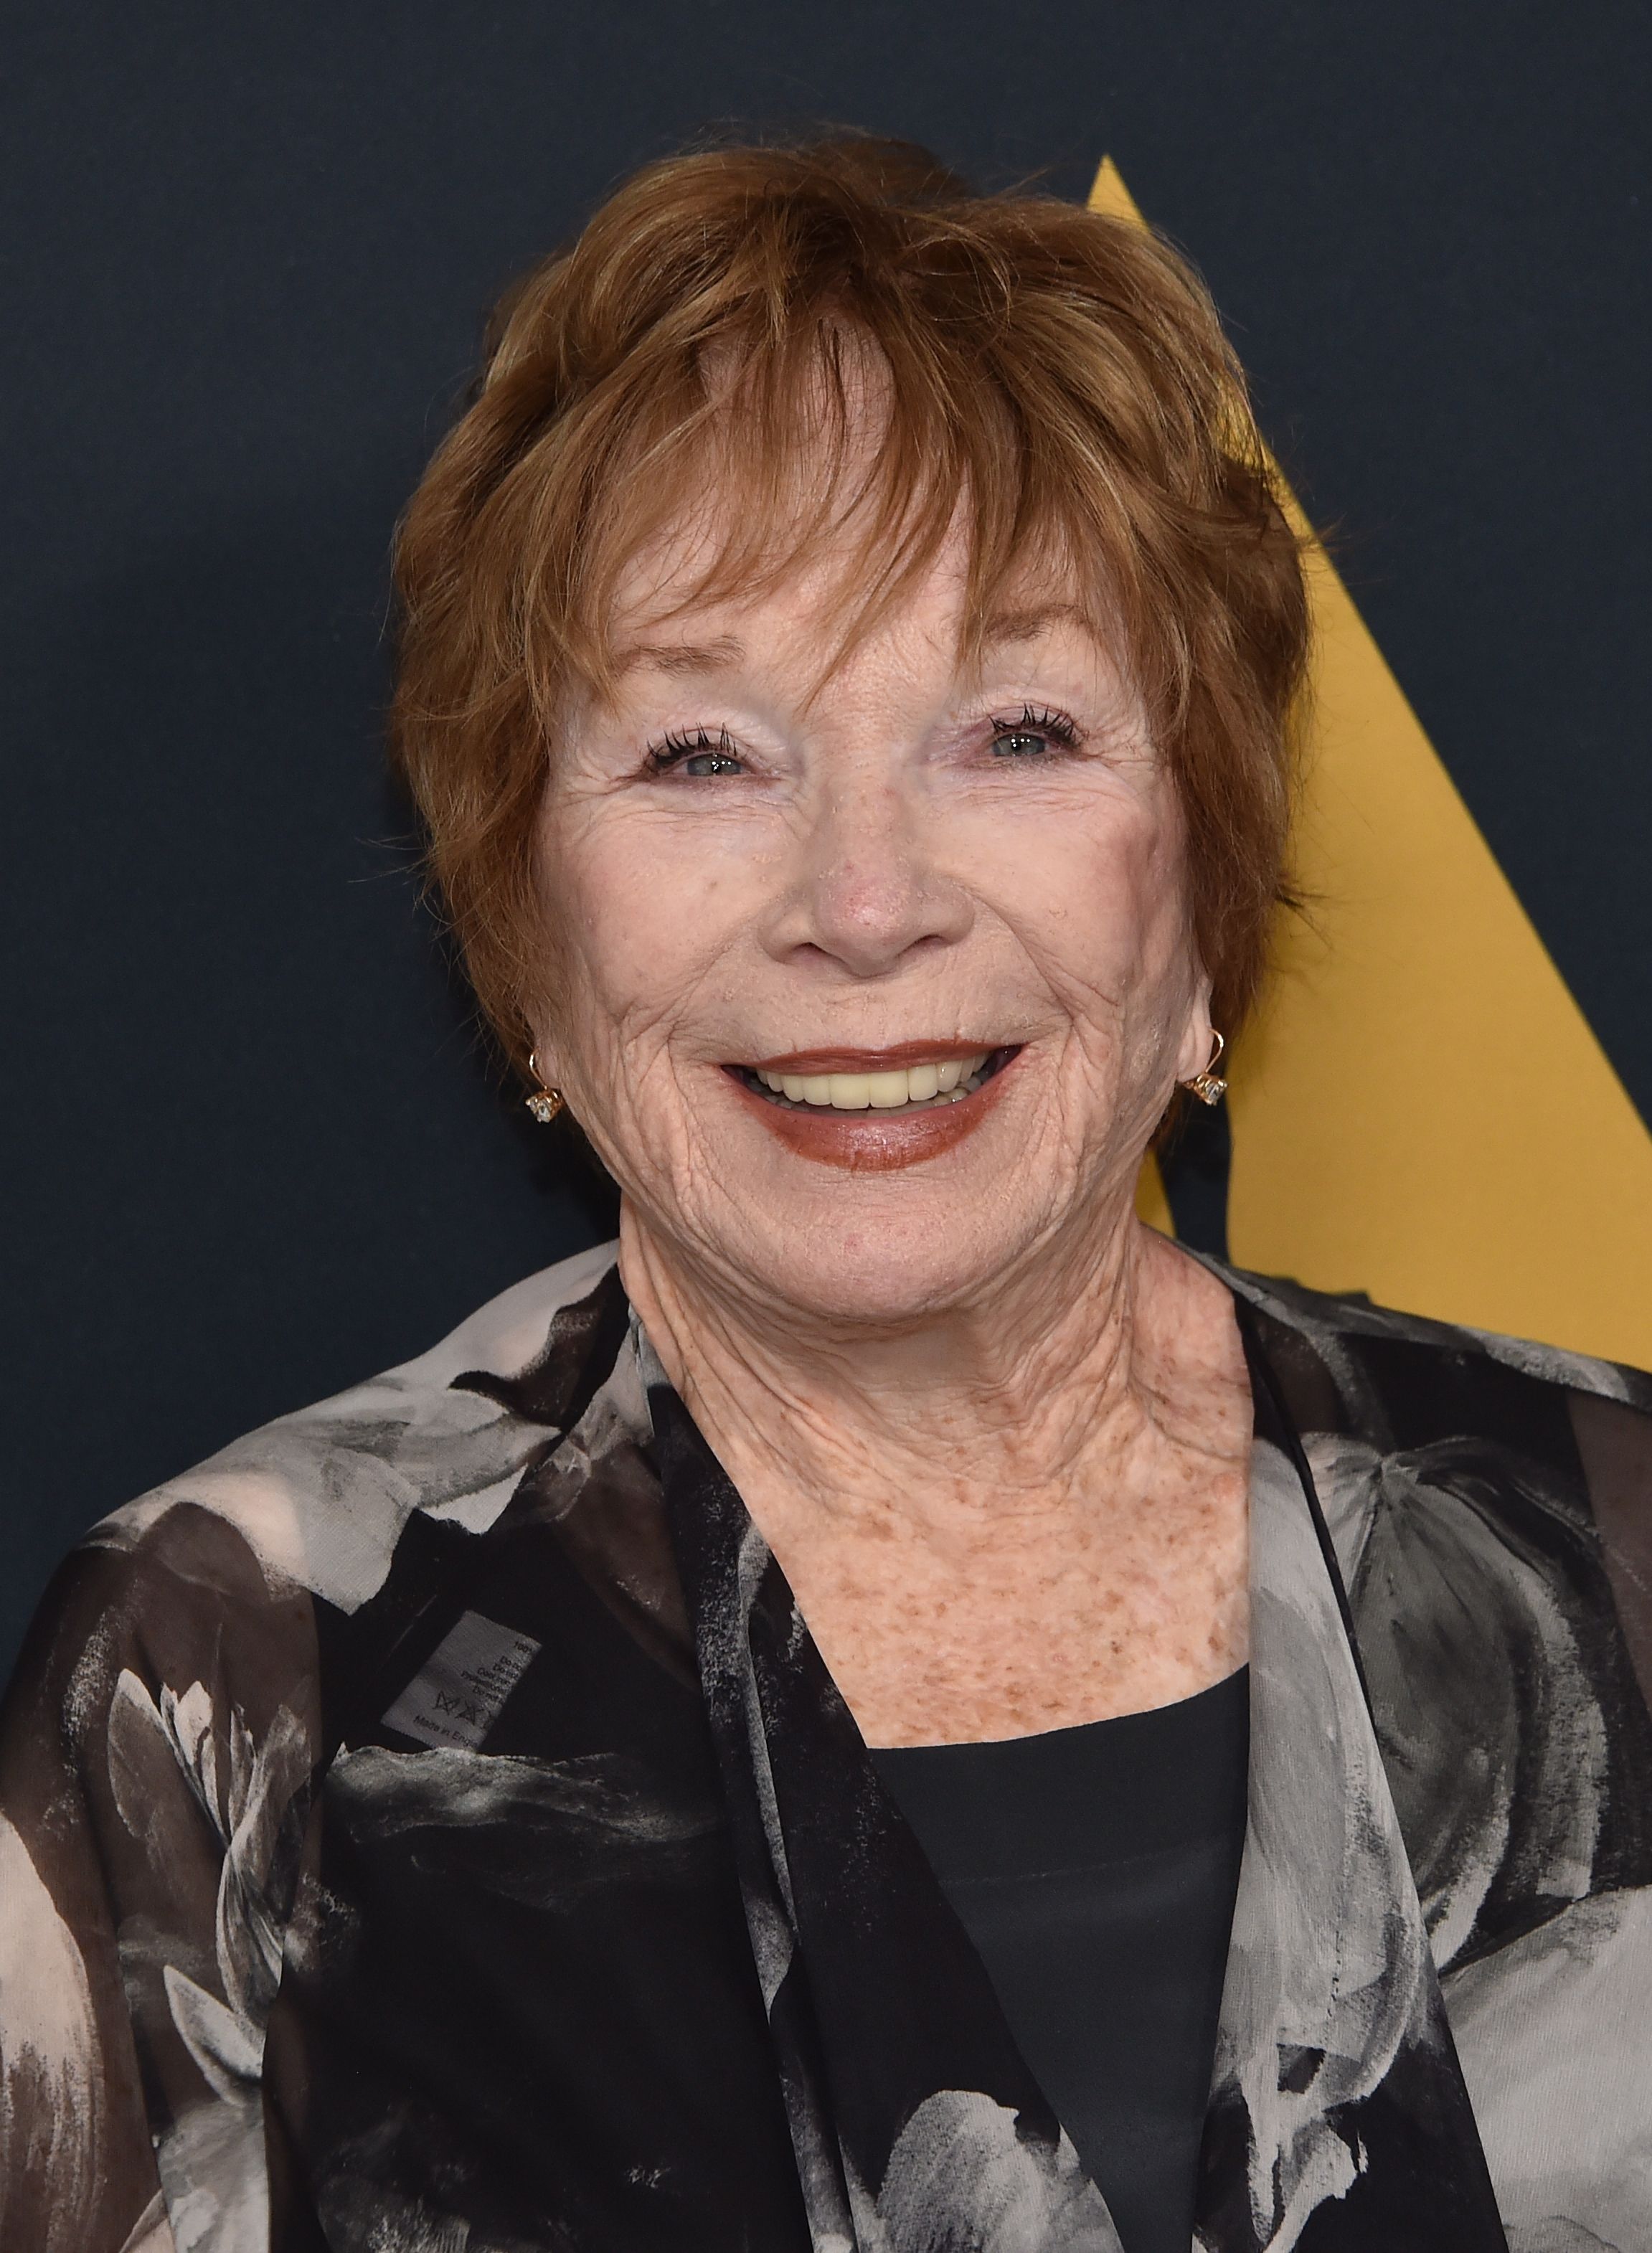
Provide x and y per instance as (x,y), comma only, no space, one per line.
(867,893)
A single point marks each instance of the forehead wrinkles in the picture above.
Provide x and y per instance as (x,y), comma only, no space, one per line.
(806,464)
(806,622)
(667,622)
(817,560)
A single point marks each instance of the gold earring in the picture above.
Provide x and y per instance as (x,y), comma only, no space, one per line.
(545,1102)
(1208,1086)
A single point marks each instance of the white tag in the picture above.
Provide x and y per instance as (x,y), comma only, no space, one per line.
(460,1690)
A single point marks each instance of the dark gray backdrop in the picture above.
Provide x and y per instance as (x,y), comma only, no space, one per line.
(252,1152)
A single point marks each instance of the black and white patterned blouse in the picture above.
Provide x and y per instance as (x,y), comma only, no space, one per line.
(429,1828)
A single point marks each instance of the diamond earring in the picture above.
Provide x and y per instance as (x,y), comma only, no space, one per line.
(1208,1084)
(545,1102)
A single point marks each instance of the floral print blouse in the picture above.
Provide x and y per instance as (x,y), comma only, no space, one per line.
(429,1827)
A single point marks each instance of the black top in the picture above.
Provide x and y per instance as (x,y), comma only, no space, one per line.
(1095,1869)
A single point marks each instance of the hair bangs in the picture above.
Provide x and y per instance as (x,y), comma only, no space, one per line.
(836,350)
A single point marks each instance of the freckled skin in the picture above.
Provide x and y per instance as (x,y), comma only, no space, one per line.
(996,1432)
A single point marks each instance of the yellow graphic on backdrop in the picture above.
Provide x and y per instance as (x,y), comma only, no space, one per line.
(1419,1110)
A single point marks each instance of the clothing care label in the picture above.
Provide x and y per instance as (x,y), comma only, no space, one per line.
(460,1690)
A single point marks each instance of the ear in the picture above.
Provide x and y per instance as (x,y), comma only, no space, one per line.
(1198,1035)
(544,1052)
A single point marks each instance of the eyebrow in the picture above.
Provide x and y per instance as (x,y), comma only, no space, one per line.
(686,657)
(1027,625)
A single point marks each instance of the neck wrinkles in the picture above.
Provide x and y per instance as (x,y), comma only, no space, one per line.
(1060,1390)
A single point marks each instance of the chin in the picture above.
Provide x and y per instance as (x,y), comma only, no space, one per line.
(885,1278)
(883,1248)
(859,1218)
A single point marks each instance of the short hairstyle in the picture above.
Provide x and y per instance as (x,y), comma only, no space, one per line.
(1060,377)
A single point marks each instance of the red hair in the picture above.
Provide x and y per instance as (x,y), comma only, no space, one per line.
(1061,378)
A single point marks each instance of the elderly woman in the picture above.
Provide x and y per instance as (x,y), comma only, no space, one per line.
(894,1708)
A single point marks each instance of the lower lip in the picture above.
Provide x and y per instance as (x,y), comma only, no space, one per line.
(873,1141)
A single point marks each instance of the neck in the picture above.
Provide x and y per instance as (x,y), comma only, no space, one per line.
(1053,1388)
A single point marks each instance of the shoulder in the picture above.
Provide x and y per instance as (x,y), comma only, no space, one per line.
(1364,1381)
(1537,1459)
(177,1698)
(1347,1326)
(317,1500)
(1522,1427)
(198,1614)
(1491,1503)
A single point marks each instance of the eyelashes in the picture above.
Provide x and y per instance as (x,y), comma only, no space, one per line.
(697,751)
(1036,721)
(702,752)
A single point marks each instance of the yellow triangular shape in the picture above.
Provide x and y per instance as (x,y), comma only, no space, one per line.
(1420,1110)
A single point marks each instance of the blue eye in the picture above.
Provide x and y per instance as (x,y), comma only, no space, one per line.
(1035,735)
(700,754)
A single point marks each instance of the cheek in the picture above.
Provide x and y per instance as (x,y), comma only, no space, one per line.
(1096,890)
(637,918)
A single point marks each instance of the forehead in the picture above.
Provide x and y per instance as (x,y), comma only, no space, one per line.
(815,535)
(679,649)
(675,616)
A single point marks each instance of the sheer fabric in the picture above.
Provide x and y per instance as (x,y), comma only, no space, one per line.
(429,1824)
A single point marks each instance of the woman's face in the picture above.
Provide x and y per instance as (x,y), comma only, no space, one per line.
(872,978)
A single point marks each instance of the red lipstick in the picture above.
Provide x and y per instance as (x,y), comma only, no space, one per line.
(902,1056)
(870,1141)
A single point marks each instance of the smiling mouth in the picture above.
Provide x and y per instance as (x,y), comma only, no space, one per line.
(879,1088)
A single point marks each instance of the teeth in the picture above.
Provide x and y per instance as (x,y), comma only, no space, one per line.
(879,1091)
